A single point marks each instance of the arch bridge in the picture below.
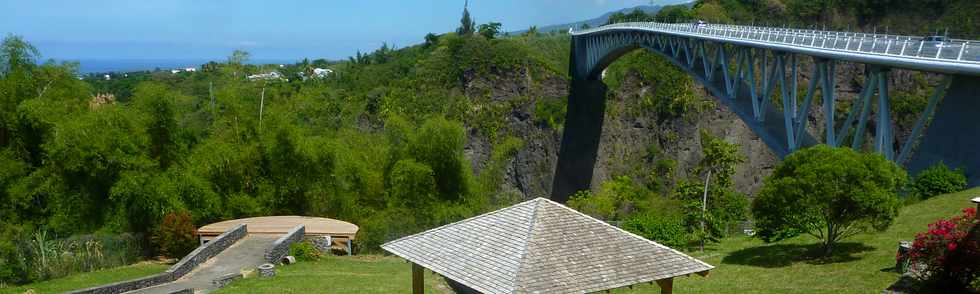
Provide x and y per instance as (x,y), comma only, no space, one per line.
(747,68)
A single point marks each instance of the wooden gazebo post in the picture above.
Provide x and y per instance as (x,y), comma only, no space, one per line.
(977,201)
(418,277)
(666,286)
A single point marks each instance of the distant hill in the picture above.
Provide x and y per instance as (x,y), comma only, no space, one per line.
(601,20)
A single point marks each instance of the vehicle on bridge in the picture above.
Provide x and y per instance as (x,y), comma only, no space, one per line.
(936,41)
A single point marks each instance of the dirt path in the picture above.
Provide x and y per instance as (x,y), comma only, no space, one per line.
(246,254)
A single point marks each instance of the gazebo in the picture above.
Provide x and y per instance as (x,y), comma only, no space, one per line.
(341,233)
(540,246)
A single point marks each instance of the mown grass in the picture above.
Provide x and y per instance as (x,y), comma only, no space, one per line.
(90,279)
(340,274)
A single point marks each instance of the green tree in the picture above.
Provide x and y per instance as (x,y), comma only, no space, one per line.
(439,143)
(239,57)
(829,193)
(431,40)
(531,31)
(413,185)
(160,106)
(467,26)
(720,158)
(636,15)
(712,12)
(675,13)
(17,63)
(490,30)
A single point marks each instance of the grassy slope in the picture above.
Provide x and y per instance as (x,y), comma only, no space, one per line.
(90,279)
(863,265)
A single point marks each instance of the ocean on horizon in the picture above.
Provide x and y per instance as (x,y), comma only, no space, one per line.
(88,66)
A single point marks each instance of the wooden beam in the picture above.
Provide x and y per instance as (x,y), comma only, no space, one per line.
(418,275)
(666,286)
(704,273)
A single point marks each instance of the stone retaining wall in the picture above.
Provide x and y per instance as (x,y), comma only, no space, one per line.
(184,266)
(208,250)
(281,247)
(130,285)
(223,281)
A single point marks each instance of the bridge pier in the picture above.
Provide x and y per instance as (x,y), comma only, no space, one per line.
(580,138)
(954,134)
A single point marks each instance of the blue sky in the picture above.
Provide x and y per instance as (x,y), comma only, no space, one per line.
(281,29)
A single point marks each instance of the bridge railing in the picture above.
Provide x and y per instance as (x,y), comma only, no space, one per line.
(950,50)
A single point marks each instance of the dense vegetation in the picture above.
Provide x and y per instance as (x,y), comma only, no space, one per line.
(379,143)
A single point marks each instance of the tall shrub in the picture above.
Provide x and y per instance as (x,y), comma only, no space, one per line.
(176,237)
(937,180)
(664,229)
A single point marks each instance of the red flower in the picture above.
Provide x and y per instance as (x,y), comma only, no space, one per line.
(951,246)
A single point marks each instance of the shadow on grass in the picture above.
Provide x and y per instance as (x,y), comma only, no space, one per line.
(781,255)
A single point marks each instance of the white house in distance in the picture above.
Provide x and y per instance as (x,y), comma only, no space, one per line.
(322,72)
(275,75)
(179,70)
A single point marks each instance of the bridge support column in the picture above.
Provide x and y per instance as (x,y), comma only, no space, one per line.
(580,140)
(954,133)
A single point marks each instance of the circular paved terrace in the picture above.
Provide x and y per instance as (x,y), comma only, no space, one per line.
(278,225)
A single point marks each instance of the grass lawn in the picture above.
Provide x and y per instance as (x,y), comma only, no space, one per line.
(862,264)
(90,279)
(340,274)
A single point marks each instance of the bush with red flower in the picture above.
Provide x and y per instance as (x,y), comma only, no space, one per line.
(948,254)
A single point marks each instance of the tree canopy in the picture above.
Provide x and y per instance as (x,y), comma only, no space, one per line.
(467,26)
(490,30)
(829,193)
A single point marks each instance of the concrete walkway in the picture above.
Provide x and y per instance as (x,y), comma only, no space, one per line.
(248,253)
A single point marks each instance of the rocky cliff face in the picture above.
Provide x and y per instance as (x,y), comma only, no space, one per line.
(627,136)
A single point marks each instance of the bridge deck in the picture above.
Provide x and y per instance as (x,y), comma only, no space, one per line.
(910,52)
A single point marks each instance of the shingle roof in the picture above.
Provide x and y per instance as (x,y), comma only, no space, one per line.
(540,246)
